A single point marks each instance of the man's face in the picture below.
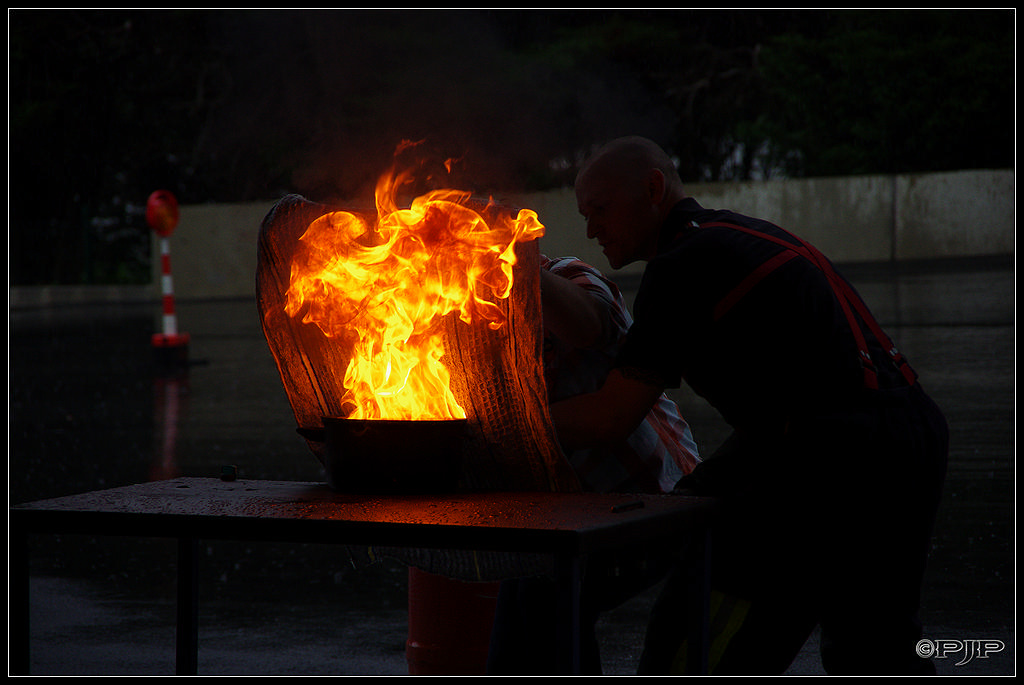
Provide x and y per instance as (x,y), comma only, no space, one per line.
(620,216)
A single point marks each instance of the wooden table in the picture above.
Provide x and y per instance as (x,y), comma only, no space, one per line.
(567,527)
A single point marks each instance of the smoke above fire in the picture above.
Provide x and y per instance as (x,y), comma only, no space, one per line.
(339,88)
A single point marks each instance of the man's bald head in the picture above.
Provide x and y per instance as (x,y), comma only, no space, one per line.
(625,192)
(631,160)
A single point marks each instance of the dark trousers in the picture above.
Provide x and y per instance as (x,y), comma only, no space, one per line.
(837,534)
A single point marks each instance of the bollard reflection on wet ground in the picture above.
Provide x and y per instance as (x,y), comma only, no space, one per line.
(88,410)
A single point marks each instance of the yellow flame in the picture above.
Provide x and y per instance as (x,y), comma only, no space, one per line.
(385,286)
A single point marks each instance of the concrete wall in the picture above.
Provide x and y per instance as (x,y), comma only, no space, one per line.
(213,250)
(851,219)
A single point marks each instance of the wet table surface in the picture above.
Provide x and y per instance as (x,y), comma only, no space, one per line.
(510,521)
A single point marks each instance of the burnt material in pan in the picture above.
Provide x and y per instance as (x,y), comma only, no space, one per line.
(387,456)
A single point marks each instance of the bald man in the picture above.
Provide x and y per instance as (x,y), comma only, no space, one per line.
(831,479)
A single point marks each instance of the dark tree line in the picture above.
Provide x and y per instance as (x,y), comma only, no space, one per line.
(230,106)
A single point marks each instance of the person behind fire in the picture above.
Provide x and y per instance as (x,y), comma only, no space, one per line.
(585,320)
(830,482)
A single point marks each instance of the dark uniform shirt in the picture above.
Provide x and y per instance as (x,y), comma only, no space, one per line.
(783,351)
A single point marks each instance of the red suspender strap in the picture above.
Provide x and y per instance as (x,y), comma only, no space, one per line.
(848,299)
(748,283)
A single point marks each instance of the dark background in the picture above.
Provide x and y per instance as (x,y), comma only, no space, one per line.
(106,106)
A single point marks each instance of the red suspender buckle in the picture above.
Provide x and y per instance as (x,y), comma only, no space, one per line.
(848,299)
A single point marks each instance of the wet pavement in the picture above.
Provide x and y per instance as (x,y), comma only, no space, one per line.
(87,412)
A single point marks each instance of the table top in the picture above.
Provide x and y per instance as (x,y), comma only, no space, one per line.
(311,512)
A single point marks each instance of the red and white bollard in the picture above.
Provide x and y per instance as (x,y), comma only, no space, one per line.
(171,347)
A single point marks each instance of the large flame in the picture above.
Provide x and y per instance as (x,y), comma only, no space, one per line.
(384,286)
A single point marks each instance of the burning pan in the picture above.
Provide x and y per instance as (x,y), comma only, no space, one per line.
(389,456)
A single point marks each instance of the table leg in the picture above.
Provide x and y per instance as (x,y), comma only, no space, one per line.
(187,654)
(20,650)
(700,585)
(569,574)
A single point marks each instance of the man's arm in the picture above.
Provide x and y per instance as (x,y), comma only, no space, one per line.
(611,413)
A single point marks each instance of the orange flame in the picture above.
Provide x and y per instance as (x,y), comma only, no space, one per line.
(385,287)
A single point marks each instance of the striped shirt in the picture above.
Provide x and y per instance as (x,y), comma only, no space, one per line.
(662,449)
